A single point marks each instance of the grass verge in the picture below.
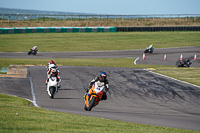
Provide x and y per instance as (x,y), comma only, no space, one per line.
(18,116)
(61,42)
(190,75)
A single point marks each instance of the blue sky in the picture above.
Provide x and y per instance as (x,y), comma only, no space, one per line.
(116,7)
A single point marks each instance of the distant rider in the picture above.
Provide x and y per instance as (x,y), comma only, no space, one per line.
(102,78)
(185,63)
(34,48)
(151,47)
(54,73)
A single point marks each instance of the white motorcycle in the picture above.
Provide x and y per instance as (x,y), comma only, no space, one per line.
(52,87)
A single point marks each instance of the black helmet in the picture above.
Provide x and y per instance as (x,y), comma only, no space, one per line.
(102,76)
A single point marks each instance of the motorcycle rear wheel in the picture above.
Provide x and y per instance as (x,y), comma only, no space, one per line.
(29,52)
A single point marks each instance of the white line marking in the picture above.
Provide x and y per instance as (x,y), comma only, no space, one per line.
(172,78)
(136,60)
(32,91)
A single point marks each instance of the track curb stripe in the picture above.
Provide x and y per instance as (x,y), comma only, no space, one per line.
(55,29)
(172,78)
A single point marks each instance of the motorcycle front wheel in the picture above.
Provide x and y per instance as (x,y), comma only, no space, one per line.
(35,52)
(91,103)
(52,91)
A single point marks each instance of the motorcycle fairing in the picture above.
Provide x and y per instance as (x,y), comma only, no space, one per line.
(52,82)
(96,91)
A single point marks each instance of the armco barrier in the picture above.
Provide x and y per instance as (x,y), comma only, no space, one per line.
(56,29)
(160,28)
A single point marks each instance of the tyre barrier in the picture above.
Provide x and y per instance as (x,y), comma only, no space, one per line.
(55,29)
(159,28)
(95,29)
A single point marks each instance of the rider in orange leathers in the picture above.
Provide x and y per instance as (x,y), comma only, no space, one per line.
(102,78)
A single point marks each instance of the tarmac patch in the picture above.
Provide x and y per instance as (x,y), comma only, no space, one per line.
(16,71)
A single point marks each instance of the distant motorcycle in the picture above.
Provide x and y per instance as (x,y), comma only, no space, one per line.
(185,63)
(32,51)
(149,50)
(52,87)
(94,96)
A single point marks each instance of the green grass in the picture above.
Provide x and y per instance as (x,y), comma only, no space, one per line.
(60,42)
(190,75)
(112,62)
(18,116)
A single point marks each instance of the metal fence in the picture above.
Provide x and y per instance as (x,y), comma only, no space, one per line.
(50,17)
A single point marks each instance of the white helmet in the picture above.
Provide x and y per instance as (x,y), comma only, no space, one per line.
(52,66)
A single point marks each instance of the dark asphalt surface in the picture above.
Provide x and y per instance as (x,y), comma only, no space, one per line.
(135,95)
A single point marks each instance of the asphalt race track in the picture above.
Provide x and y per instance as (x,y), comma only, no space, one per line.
(135,95)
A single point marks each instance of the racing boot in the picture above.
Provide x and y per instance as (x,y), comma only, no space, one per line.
(59,85)
(46,85)
(85,96)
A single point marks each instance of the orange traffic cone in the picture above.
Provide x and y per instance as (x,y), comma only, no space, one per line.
(195,57)
(143,56)
(165,57)
(181,57)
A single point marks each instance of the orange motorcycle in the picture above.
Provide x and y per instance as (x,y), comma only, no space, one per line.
(94,95)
